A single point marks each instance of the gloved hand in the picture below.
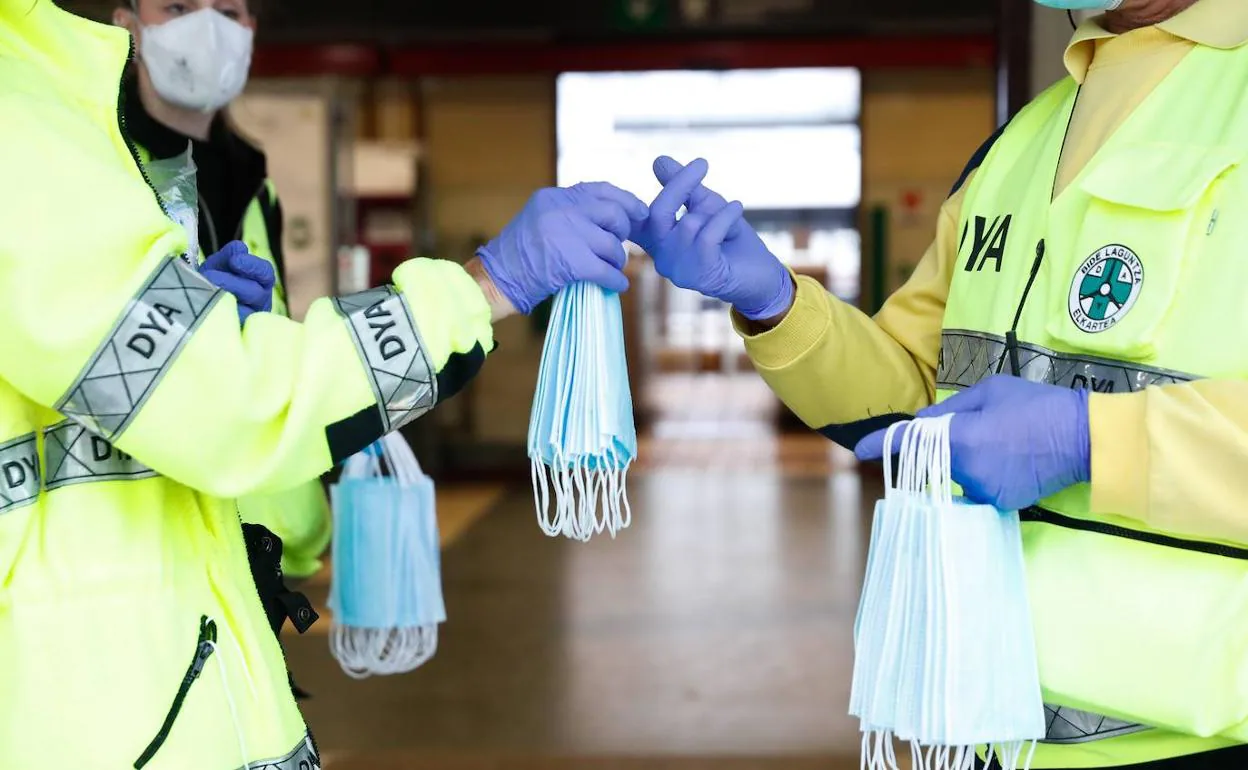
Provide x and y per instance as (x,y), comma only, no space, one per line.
(739,270)
(249,278)
(562,236)
(1012,442)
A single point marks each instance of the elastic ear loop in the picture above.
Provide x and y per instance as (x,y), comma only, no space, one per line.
(889,434)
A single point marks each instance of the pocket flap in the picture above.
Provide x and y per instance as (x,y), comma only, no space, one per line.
(1159,177)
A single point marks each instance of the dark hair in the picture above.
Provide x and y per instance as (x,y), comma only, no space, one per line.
(253,6)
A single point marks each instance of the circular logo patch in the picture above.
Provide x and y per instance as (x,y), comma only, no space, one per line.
(1105,287)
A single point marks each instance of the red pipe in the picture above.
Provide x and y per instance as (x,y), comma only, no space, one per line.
(529,58)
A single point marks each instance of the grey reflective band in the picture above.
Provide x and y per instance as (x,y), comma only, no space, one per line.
(1067,725)
(968,357)
(72,455)
(302,757)
(404,382)
(19,473)
(139,350)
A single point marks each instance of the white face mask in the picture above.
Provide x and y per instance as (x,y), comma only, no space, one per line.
(198,61)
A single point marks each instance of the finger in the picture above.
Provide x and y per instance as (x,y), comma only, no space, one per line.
(872,446)
(716,229)
(674,195)
(606,276)
(605,245)
(632,205)
(702,196)
(608,215)
(259,270)
(666,168)
(245,291)
(221,260)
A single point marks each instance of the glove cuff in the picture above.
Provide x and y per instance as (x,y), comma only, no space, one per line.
(1083,435)
(779,303)
(505,287)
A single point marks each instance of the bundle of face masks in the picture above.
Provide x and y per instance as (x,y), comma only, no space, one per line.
(582,438)
(944,657)
(386,590)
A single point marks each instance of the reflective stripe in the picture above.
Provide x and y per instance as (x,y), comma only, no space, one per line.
(968,357)
(303,757)
(1067,725)
(125,370)
(404,382)
(19,473)
(72,455)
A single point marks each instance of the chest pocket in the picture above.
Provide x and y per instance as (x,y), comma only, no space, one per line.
(1150,211)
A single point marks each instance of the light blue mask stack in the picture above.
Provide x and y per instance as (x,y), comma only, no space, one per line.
(582,438)
(944,656)
(386,592)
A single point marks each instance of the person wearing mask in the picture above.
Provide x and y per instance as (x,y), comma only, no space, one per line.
(193,58)
(131,629)
(1078,314)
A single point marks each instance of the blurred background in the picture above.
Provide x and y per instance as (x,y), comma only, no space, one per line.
(717,629)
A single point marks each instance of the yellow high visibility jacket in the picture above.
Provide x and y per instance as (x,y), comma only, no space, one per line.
(299,516)
(133,410)
(1129,278)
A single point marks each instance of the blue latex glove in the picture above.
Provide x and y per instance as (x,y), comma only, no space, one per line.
(563,235)
(249,278)
(740,270)
(1013,442)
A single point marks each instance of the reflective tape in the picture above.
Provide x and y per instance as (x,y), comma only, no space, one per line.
(73,455)
(968,357)
(403,379)
(139,350)
(302,757)
(1067,725)
(19,473)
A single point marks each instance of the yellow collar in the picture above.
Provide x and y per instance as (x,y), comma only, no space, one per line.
(1213,23)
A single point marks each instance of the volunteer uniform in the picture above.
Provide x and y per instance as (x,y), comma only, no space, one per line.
(1095,242)
(132,412)
(238,202)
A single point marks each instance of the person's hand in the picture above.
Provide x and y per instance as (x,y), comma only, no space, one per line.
(562,236)
(250,279)
(735,266)
(1012,442)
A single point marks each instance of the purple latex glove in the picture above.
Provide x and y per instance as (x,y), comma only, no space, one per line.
(1013,442)
(740,270)
(562,236)
(250,279)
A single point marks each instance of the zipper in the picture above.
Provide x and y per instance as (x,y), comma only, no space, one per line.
(125,132)
(203,651)
(1044,516)
(1011,337)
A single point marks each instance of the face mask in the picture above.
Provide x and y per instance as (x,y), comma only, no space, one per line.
(944,655)
(582,438)
(198,61)
(386,591)
(1082,5)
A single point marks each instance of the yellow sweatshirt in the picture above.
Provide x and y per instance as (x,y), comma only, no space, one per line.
(1168,456)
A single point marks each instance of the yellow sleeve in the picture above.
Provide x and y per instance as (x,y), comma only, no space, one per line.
(102,324)
(1173,457)
(846,374)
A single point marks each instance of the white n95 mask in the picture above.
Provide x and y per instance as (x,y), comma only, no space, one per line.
(198,61)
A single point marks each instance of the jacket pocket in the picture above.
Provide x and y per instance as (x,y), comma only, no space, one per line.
(204,648)
(1150,209)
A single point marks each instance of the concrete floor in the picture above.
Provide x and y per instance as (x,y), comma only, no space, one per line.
(716,631)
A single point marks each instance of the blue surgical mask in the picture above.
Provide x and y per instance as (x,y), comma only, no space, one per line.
(944,657)
(582,438)
(1082,5)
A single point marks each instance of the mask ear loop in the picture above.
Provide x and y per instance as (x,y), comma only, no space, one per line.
(889,434)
